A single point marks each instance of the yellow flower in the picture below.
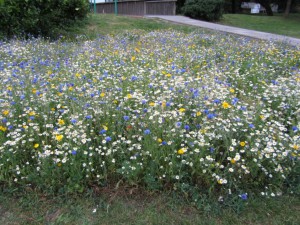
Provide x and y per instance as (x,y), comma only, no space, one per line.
(242,143)
(36,145)
(159,140)
(232,161)
(102,94)
(59,137)
(129,96)
(33,90)
(105,127)
(115,101)
(203,131)
(136,49)
(181,151)
(3,128)
(77,75)
(231,90)
(5,112)
(261,117)
(9,88)
(296,147)
(61,122)
(152,103)
(168,75)
(32,113)
(163,104)
(198,113)
(225,105)
(132,58)
(59,164)
(70,88)
(182,110)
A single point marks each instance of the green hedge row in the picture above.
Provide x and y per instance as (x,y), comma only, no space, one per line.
(39,17)
(210,10)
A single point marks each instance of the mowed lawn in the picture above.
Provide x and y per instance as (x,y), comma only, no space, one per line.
(276,24)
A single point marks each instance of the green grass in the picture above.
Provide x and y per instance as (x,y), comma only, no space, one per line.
(276,24)
(126,207)
(103,24)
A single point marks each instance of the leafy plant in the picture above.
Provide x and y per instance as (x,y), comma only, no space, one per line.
(210,10)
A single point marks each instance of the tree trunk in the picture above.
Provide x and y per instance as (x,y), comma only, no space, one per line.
(267,6)
(233,7)
(287,8)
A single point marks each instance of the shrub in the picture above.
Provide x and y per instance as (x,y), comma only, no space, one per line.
(39,17)
(210,10)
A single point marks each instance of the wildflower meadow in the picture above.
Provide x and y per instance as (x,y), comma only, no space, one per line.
(207,114)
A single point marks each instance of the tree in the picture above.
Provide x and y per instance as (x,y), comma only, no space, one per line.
(287,8)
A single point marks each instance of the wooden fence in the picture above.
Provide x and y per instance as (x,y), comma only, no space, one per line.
(139,7)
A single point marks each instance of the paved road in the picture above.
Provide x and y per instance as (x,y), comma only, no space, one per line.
(234,30)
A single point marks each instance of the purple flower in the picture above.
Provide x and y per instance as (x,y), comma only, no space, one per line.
(108,139)
(74,152)
(126,118)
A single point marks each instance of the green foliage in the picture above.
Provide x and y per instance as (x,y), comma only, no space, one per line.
(39,17)
(210,10)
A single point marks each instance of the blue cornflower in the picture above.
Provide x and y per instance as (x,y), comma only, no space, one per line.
(217,101)
(187,127)
(164,143)
(108,139)
(295,129)
(147,131)
(133,78)
(210,116)
(178,124)
(102,131)
(244,196)
(88,117)
(234,101)
(74,152)
(251,125)
(126,118)
(73,121)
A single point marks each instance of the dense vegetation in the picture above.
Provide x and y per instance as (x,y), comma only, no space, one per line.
(210,10)
(39,17)
(204,114)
